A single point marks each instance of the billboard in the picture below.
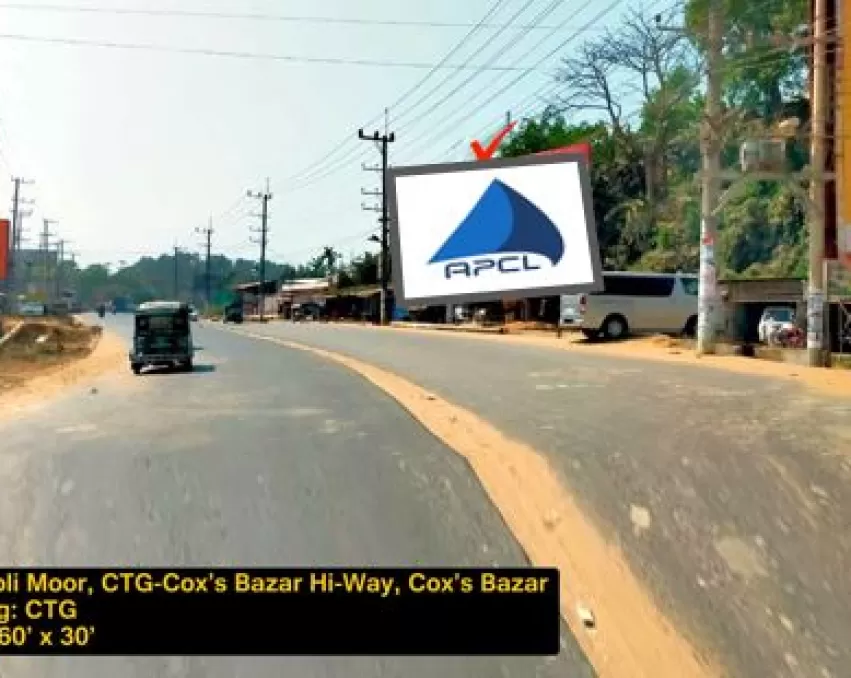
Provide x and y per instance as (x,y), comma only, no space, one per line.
(4,248)
(491,230)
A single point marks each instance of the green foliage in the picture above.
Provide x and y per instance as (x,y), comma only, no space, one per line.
(154,278)
(645,174)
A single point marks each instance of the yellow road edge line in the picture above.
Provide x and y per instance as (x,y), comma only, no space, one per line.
(632,638)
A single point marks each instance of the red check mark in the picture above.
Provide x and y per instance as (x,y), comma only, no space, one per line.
(487,152)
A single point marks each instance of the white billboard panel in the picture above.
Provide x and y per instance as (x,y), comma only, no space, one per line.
(496,229)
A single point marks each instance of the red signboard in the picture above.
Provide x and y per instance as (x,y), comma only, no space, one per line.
(487,152)
(583,149)
(4,248)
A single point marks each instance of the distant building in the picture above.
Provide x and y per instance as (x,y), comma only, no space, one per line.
(279,298)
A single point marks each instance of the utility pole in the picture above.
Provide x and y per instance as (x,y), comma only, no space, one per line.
(707,299)
(15,244)
(176,274)
(816,203)
(16,195)
(45,257)
(208,234)
(383,141)
(264,197)
(60,259)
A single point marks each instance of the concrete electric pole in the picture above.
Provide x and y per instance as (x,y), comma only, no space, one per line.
(707,298)
(16,235)
(383,141)
(264,197)
(60,261)
(45,257)
(817,206)
(16,196)
(176,274)
(208,238)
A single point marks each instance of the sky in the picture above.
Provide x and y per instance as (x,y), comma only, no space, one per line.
(131,150)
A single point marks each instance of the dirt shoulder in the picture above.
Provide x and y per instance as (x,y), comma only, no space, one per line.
(830,381)
(39,358)
(631,636)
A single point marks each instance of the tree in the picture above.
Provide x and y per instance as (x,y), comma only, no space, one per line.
(761,76)
(616,175)
(645,162)
(644,61)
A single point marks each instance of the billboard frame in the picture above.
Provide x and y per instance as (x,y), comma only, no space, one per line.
(562,158)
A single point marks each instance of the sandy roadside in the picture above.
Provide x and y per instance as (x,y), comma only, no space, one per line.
(109,354)
(830,381)
(632,637)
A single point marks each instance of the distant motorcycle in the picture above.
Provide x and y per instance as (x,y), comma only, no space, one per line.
(790,337)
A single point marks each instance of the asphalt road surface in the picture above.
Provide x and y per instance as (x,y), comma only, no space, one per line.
(729,493)
(263,456)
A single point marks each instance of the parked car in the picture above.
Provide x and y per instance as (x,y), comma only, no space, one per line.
(307,311)
(193,312)
(32,308)
(634,303)
(774,319)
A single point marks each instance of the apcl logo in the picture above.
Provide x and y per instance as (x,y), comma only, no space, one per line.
(503,233)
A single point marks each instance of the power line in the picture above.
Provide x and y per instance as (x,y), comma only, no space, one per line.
(248,16)
(528,71)
(764,58)
(530,102)
(401,115)
(494,8)
(331,170)
(554,4)
(82,42)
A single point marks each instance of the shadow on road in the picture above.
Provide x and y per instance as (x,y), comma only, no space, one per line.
(159,371)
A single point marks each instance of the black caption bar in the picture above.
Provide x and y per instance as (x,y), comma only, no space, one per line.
(332,611)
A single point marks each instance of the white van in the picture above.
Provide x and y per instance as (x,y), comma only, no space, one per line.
(634,302)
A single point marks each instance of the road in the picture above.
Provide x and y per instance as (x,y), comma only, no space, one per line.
(730,494)
(262,456)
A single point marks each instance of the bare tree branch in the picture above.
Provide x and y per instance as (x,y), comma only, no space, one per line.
(588,83)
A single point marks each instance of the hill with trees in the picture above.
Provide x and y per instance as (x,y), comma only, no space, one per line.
(646,155)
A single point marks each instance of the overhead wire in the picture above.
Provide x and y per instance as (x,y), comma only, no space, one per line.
(533,100)
(333,242)
(245,16)
(334,61)
(491,96)
(400,116)
(573,36)
(487,88)
(329,171)
(493,9)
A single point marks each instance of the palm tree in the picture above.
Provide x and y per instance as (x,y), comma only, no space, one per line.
(330,257)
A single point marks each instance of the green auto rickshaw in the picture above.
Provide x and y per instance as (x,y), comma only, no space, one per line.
(162,336)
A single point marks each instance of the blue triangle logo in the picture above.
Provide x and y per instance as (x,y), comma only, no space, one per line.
(503,221)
